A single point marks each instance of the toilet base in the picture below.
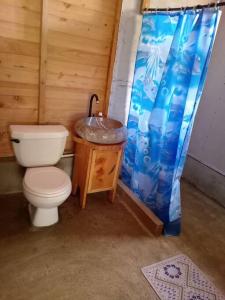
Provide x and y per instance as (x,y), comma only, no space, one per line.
(41,217)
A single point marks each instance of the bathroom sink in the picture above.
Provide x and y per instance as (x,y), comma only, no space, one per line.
(101,130)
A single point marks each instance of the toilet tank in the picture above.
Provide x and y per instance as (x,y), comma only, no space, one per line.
(38,145)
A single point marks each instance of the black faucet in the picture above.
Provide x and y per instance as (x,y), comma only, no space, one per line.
(91,101)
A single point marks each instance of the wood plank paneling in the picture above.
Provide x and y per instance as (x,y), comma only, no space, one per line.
(18,102)
(76,56)
(72,41)
(74,81)
(54,54)
(19,31)
(13,116)
(23,62)
(99,6)
(70,94)
(19,15)
(30,5)
(18,75)
(19,66)
(15,46)
(89,31)
(80,35)
(79,14)
(13,88)
(77,69)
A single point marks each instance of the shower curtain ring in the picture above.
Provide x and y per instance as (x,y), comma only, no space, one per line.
(216,4)
(183,10)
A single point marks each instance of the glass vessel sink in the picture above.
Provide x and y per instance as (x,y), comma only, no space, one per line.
(101,130)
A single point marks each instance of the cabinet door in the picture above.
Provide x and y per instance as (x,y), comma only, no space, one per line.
(104,170)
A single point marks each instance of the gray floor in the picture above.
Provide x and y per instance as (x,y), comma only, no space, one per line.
(97,253)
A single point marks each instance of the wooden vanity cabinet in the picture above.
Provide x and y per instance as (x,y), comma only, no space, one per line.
(96,168)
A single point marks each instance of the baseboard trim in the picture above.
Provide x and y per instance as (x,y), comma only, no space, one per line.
(147,217)
(214,169)
(209,181)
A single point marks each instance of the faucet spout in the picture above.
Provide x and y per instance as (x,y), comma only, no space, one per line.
(94,96)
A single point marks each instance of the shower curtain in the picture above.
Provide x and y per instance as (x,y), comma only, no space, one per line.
(171,65)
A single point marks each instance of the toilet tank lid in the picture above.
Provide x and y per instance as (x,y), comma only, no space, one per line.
(38,131)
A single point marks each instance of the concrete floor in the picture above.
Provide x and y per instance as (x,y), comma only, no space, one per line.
(97,253)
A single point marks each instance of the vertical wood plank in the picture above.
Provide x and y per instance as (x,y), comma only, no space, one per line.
(43,61)
(112,57)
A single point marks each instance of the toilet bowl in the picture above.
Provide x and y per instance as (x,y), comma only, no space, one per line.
(45,188)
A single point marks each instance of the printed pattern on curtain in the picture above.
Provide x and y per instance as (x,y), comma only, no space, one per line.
(170,71)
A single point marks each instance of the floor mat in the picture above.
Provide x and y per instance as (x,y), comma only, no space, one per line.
(178,278)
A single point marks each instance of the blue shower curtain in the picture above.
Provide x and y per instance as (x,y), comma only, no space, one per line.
(171,65)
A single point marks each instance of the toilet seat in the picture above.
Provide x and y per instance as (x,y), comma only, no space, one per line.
(46,182)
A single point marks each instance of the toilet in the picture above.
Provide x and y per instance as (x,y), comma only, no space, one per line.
(39,148)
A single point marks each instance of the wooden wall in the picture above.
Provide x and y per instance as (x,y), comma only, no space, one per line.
(68,45)
(19,65)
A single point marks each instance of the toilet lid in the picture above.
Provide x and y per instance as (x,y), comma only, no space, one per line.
(46,180)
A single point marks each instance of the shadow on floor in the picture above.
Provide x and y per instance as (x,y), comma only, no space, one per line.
(97,253)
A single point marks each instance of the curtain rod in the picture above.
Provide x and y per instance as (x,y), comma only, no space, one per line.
(216,4)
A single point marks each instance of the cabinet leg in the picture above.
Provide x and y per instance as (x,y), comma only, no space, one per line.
(83,197)
(112,195)
(75,181)
(74,188)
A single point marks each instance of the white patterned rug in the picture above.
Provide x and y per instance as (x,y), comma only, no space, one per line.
(178,278)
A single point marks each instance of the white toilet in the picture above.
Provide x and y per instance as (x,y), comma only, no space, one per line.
(39,147)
